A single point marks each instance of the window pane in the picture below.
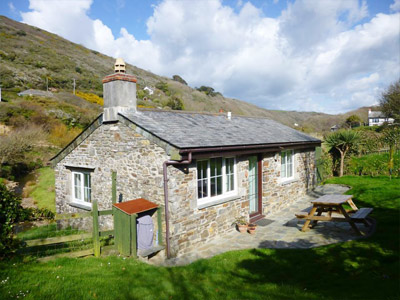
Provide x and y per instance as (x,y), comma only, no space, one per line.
(77,186)
(202,180)
(219,185)
(213,186)
(219,166)
(87,188)
(289,164)
(228,183)
(283,164)
(212,166)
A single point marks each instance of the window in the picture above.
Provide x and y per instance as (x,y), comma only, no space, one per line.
(215,179)
(81,188)
(287,164)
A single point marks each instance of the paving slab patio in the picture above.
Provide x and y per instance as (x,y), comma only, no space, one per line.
(283,232)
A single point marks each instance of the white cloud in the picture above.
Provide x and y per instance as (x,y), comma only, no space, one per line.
(318,55)
(12,7)
(395,6)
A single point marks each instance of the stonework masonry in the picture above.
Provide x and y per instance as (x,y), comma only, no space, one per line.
(112,147)
(139,166)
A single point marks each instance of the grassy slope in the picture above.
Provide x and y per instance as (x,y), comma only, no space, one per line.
(364,269)
(43,192)
(28,59)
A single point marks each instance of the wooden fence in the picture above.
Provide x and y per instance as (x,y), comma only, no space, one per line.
(96,234)
(96,250)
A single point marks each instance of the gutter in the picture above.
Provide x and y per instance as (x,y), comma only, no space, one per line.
(252,148)
(165,176)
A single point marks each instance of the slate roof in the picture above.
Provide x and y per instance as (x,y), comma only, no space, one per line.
(376,114)
(35,93)
(185,130)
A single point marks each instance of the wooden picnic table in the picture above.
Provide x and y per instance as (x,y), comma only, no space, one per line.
(335,204)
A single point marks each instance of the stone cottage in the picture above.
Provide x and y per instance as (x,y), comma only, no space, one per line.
(204,169)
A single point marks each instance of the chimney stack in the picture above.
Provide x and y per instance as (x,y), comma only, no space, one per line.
(119,92)
(369,111)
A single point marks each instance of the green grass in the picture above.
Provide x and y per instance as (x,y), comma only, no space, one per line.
(362,269)
(43,192)
(46,231)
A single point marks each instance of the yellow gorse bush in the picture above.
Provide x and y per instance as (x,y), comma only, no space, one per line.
(93,98)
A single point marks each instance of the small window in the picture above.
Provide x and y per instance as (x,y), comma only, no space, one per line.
(81,188)
(215,179)
(287,164)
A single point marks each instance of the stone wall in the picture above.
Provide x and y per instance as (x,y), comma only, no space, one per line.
(278,194)
(190,226)
(139,166)
(112,147)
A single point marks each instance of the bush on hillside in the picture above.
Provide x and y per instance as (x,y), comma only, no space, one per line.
(11,211)
(179,79)
(175,103)
(372,165)
(93,98)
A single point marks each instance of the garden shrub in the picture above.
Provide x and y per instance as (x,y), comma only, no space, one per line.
(60,135)
(11,212)
(90,97)
(372,164)
(175,103)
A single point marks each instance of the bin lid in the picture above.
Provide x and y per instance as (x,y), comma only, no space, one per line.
(135,206)
(145,220)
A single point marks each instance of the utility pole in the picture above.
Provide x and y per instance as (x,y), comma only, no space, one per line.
(74,86)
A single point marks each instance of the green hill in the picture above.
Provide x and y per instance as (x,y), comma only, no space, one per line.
(29,56)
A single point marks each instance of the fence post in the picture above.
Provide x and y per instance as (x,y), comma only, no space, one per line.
(133,235)
(159,226)
(114,186)
(96,237)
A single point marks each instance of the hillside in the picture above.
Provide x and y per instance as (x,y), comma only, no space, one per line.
(29,55)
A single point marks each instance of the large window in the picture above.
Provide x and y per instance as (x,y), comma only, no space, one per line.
(215,179)
(81,188)
(287,164)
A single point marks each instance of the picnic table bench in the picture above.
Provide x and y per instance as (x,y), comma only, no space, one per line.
(330,204)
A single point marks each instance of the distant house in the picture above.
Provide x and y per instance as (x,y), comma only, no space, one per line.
(377,118)
(32,92)
(335,128)
(204,169)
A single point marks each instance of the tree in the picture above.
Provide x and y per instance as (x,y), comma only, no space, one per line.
(390,101)
(343,141)
(17,143)
(391,137)
(353,121)
(179,79)
(175,103)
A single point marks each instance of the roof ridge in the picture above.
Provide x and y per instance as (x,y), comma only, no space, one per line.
(141,109)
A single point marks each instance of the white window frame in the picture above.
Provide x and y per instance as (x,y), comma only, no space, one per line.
(81,200)
(286,178)
(225,193)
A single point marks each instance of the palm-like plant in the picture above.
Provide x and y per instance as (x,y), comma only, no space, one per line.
(343,141)
(391,137)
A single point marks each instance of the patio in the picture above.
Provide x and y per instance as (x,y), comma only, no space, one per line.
(282,230)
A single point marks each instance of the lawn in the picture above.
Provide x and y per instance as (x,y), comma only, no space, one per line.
(43,192)
(363,269)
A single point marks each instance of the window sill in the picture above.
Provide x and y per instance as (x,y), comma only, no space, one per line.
(288,181)
(217,202)
(87,207)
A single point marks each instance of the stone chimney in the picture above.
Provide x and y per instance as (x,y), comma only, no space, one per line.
(119,92)
(369,111)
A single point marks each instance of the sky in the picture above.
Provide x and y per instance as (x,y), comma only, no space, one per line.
(329,56)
